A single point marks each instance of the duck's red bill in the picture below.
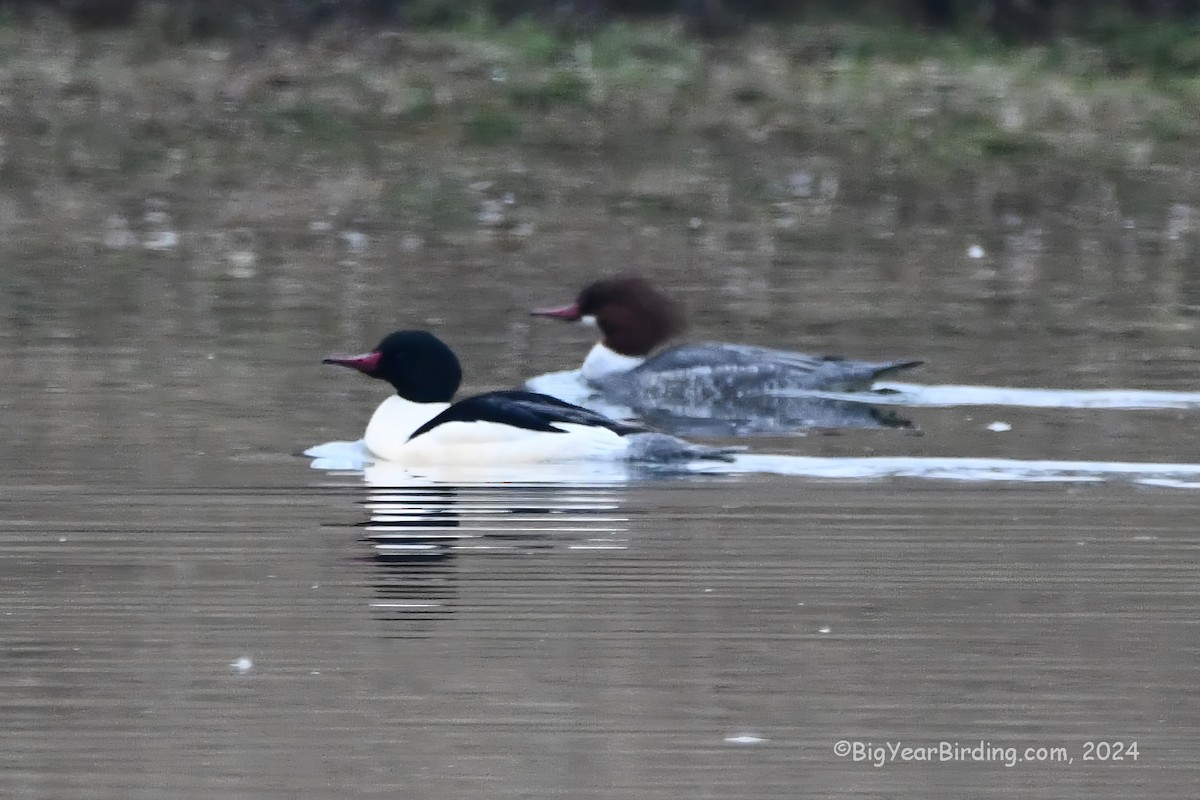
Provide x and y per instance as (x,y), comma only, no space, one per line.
(366,362)
(570,313)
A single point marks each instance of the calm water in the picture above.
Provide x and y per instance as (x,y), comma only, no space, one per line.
(191,610)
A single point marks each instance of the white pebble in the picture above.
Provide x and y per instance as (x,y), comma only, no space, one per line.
(999,427)
(975,251)
(243,665)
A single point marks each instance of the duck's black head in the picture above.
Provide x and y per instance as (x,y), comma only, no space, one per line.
(633,314)
(417,364)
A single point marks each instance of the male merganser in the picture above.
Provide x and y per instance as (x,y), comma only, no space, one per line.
(420,425)
(635,316)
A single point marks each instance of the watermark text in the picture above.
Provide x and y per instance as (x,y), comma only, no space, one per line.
(880,754)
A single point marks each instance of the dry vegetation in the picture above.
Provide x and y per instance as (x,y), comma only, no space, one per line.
(116,141)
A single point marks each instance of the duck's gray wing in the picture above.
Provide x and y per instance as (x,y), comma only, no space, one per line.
(740,368)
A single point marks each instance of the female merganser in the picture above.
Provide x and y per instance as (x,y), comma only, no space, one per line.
(635,316)
(419,425)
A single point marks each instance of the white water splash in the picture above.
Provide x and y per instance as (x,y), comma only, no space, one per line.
(339,456)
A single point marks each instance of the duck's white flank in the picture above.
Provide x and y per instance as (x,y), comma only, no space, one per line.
(493,442)
(478,442)
(602,362)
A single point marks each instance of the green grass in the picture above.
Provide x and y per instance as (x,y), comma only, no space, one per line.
(310,122)
(1161,50)
(1172,124)
(428,200)
(420,101)
(490,125)
(561,88)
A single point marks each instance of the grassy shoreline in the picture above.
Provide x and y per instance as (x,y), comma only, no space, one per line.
(432,133)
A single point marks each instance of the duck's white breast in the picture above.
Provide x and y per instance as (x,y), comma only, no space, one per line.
(394,421)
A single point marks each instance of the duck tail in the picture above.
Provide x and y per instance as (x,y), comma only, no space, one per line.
(894,366)
(660,448)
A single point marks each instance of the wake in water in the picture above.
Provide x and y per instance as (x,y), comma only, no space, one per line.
(353,457)
(968,469)
(913,394)
(569,385)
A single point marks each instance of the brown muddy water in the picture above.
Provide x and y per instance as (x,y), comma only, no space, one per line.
(190,610)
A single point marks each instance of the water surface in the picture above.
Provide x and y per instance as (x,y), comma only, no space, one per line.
(192,610)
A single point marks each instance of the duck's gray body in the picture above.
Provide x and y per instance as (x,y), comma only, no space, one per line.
(707,372)
(731,390)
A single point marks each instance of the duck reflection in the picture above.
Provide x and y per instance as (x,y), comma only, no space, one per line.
(422,521)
